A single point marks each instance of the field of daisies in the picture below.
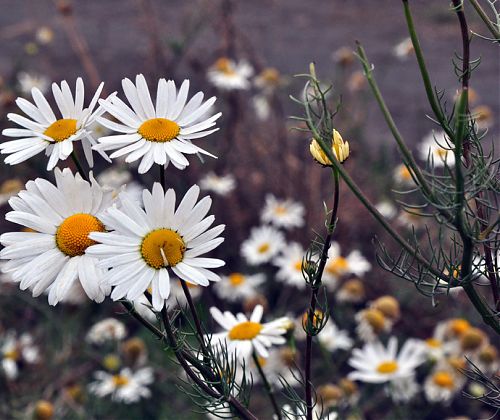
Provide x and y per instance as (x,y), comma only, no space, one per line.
(219,222)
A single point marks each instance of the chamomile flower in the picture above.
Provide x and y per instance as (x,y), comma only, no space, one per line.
(338,266)
(157,133)
(237,286)
(126,386)
(268,80)
(332,338)
(226,74)
(28,81)
(244,335)
(264,243)
(371,323)
(443,383)
(402,175)
(375,363)
(148,244)
(54,255)
(42,131)
(352,291)
(108,329)
(386,209)
(290,265)
(403,49)
(15,351)
(438,148)
(221,185)
(285,214)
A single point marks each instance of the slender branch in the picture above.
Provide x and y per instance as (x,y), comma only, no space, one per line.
(162,177)
(268,386)
(489,24)
(79,166)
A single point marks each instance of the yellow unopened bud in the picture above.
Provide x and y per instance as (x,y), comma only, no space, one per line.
(488,354)
(375,318)
(340,149)
(348,386)
(389,306)
(44,410)
(133,349)
(472,339)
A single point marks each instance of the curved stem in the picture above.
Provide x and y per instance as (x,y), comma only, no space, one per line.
(489,24)
(268,387)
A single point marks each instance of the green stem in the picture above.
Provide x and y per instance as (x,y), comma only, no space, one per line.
(267,386)
(489,24)
(79,166)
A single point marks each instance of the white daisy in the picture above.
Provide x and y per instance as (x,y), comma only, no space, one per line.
(221,185)
(109,329)
(45,132)
(403,49)
(146,244)
(352,291)
(226,74)
(371,323)
(28,81)
(387,209)
(332,338)
(237,286)
(268,80)
(281,365)
(442,384)
(127,386)
(157,133)
(243,335)
(402,175)
(290,265)
(437,147)
(375,363)
(282,213)
(15,351)
(338,266)
(264,243)
(62,217)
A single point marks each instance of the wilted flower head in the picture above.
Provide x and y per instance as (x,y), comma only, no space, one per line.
(340,149)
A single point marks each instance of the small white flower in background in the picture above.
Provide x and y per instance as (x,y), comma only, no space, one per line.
(157,133)
(15,351)
(371,322)
(281,364)
(282,213)
(299,413)
(54,255)
(403,389)
(331,338)
(28,81)
(387,209)
(42,131)
(443,383)
(221,185)
(120,180)
(403,49)
(290,265)
(438,148)
(44,35)
(147,244)
(177,293)
(127,386)
(268,80)
(402,175)
(375,363)
(109,329)
(338,266)
(352,291)
(226,74)
(10,188)
(261,106)
(263,245)
(244,335)
(237,286)
(483,117)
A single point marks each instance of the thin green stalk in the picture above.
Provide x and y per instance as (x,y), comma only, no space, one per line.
(489,24)
(79,166)
(267,386)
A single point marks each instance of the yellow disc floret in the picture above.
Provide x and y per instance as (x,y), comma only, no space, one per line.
(72,235)
(120,380)
(163,248)
(443,379)
(61,130)
(388,367)
(263,248)
(236,279)
(337,266)
(225,65)
(245,331)
(159,130)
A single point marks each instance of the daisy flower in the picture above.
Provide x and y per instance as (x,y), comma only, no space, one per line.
(243,336)
(109,329)
(332,338)
(282,213)
(402,175)
(16,350)
(387,209)
(264,243)
(438,149)
(28,81)
(403,49)
(226,74)
(375,363)
(352,291)
(221,185)
(442,384)
(126,386)
(371,323)
(42,131)
(157,133)
(290,265)
(483,116)
(54,255)
(280,365)
(237,286)
(338,266)
(148,244)
(268,80)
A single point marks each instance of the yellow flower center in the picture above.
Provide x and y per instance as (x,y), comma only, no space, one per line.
(375,319)
(261,361)
(263,248)
(236,279)
(442,153)
(404,173)
(280,210)
(61,130)
(72,235)
(12,354)
(459,326)
(443,380)
(433,342)
(270,75)
(387,367)
(245,331)
(337,266)
(163,248)
(111,362)
(298,266)
(159,130)
(225,66)
(120,380)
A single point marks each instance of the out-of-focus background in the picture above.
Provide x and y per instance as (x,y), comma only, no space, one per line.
(49,41)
